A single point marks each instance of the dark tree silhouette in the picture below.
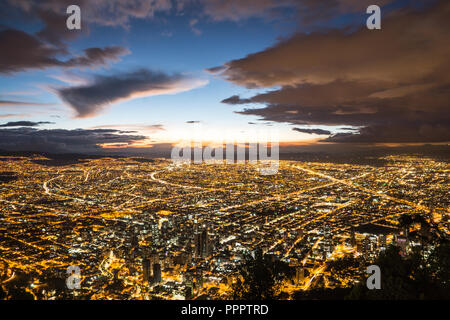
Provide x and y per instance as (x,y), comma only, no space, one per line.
(259,278)
(439,265)
(409,278)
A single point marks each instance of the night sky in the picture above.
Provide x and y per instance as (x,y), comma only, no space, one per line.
(145,73)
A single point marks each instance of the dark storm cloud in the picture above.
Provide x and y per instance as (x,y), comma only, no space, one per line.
(51,14)
(54,31)
(312,131)
(59,140)
(236,100)
(20,51)
(392,83)
(399,133)
(24,123)
(88,100)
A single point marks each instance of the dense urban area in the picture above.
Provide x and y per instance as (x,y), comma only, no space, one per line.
(140,228)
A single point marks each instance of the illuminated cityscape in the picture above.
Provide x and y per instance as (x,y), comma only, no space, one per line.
(216,158)
(152,229)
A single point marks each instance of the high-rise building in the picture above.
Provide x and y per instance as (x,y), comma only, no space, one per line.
(156,273)
(189,284)
(327,243)
(197,244)
(146,267)
(366,247)
(205,243)
(202,244)
(154,258)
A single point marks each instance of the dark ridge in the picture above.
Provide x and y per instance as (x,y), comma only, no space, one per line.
(373,229)
(369,155)
(56,159)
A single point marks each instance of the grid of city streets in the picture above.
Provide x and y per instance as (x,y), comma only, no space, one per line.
(153,229)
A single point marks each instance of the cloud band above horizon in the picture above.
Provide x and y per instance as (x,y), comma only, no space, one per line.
(91,99)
